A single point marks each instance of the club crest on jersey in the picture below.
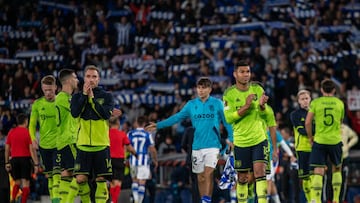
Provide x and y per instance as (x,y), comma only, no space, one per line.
(238,163)
(100,100)
(211,107)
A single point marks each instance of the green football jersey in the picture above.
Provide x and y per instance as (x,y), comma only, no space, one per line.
(67,125)
(44,113)
(328,115)
(248,130)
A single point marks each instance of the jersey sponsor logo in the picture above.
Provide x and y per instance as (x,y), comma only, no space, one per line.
(43,117)
(204,115)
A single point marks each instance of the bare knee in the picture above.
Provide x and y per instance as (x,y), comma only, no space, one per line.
(81,179)
(201,177)
(243,178)
(259,170)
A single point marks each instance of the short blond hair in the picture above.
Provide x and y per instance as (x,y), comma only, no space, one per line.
(301,92)
(48,80)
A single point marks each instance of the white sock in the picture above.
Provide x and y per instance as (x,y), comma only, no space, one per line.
(141,193)
(276,198)
(135,191)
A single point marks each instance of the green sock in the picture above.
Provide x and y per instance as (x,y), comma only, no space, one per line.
(306,184)
(55,186)
(73,191)
(64,187)
(251,194)
(101,193)
(50,184)
(336,182)
(316,188)
(261,189)
(242,192)
(84,192)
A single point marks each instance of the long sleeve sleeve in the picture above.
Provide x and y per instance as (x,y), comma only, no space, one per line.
(78,102)
(297,123)
(103,110)
(33,122)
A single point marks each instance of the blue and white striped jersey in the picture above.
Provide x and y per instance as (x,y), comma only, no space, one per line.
(141,140)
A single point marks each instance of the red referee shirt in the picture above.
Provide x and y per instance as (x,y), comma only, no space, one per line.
(118,139)
(19,140)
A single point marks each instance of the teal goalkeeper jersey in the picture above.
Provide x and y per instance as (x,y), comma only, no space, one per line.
(205,118)
(44,113)
(248,130)
(328,114)
(67,125)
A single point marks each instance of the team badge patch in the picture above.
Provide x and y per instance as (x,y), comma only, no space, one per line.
(211,107)
(100,100)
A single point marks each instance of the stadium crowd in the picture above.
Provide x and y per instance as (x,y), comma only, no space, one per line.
(150,53)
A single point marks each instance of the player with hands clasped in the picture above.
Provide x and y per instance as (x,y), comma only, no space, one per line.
(245,104)
(93,107)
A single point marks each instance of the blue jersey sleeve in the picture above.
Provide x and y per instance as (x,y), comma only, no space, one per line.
(181,115)
(279,138)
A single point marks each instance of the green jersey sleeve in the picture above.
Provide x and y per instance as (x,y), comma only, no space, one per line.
(44,113)
(248,129)
(328,114)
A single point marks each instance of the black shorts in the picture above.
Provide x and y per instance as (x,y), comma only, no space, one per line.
(320,153)
(245,157)
(66,158)
(98,162)
(118,168)
(21,168)
(48,159)
(303,159)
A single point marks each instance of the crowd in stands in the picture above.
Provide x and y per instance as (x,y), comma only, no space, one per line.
(151,52)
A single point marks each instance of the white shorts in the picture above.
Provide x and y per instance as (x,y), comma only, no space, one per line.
(140,172)
(204,157)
